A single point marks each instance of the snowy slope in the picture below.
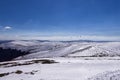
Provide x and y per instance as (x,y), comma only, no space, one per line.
(65,49)
(101,50)
(60,52)
(68,61)
(109,75)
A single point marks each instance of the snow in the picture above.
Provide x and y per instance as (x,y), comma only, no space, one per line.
(65,49)
(66,69)
(24,43)
(109,75)
(78,49)
(108,48)
(76,61)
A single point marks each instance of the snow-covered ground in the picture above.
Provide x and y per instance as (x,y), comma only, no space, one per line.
(65,69)
(65,49)
(70,61)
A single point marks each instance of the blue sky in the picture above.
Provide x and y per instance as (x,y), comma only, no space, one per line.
(59,18)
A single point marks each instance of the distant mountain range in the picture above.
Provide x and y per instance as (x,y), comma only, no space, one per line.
(76,48)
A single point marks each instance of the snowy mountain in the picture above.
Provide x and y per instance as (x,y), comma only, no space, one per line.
(59,60)
(43,49)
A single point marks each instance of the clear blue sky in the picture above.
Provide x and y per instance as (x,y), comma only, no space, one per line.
(60,17)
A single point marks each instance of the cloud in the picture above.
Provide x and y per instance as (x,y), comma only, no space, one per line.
(7,27)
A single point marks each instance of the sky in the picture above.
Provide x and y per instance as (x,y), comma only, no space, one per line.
(55,19)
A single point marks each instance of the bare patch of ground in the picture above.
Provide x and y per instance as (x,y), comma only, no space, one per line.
(12,64)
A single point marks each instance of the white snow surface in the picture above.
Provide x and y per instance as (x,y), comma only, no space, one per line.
(76,61)
(65,49)
(66,69)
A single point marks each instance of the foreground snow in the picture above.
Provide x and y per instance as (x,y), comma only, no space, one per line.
(109,75)
(65,69)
